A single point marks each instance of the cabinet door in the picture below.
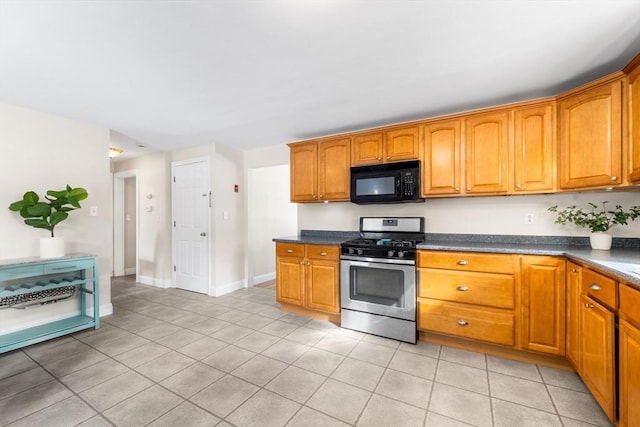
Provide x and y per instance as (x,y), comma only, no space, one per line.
(290,280)
(590,137)
(334,161)
(634,120)
(534,149)
(487,148)
(597,353)
(441,158)
(323,286)
(629,375)
(366,149)
(402,144)
(572,315)
(543,304)
(304,184)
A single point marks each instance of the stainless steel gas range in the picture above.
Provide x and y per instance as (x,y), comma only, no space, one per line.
(378,277)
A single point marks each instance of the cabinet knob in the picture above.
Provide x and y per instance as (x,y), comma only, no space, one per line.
(323,253)
(289,251)
(518,186)
(322,196)
(203,234)
(457,189)
(462,288)
(595,287)
(468,188)
(462,322)
(575,270)
(614,178)
(463,262)
(378,158)
(587,305)
(388,157)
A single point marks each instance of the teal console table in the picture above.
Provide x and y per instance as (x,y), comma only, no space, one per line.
(30,283)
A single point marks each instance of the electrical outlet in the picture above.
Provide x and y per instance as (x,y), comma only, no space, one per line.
(528,218)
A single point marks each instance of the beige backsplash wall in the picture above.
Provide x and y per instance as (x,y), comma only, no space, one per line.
(474,215)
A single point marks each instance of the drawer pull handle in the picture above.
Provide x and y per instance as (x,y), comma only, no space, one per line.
(587,305)
(463,262)
(595,287)
(462,288)
(289,251)
(323,253)
(462,322)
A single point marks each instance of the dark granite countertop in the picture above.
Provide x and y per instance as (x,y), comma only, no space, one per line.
(621,262)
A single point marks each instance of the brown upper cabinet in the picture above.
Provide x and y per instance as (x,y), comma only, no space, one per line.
(633,95)
(441,165)
(320,170)
(391,145)
(534,148)
(487,148)
(590,135)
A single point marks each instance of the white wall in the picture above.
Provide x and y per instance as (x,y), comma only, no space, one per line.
(43,152)
(270,214)
(473,215)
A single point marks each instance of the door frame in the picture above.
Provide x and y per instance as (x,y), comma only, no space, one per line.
(118,221)
(207,160)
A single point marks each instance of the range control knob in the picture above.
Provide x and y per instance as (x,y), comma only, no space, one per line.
(390,253)
(360,251)
(400,254)
(350,251)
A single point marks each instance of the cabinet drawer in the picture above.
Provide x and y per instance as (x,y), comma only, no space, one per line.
(21,272)
(630,303)
(466,322)
(600,287)
(290,249)
(331,253)
(63,267)
(493,290)
(466,261)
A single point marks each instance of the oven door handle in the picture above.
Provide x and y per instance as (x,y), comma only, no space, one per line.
(378,260)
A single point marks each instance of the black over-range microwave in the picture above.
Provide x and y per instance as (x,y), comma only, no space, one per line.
(386,183)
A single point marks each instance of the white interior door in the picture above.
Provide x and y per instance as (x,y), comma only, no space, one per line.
(191,205)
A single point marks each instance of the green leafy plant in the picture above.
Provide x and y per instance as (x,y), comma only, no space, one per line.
(47,214)
(595,219)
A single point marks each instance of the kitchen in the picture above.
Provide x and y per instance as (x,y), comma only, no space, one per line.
(492,215)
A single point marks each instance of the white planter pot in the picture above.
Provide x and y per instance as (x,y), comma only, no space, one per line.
(600,240)
(51,247)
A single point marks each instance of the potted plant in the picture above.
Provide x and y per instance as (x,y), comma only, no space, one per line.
(599,221)
(48,213)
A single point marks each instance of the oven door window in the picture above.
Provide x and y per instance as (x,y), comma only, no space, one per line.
(377,286)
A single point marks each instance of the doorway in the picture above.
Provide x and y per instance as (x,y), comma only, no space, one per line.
(125,223)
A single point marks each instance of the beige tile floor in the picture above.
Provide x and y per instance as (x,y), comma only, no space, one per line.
(168,357)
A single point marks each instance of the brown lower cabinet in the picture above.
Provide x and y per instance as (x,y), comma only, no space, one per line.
(629,357)
(308,276)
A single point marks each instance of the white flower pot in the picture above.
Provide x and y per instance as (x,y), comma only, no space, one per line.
(600,240)
(51,247)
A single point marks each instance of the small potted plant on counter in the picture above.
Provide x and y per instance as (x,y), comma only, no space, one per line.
(48,213)
(599,221)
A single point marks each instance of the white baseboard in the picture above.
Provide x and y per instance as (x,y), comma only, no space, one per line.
(129,271)
(106,309)
(264,278)
(228,288)
(152,281)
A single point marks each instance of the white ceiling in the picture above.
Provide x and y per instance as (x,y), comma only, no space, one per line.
(174,74)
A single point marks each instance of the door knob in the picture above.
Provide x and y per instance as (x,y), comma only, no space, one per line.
(203,234)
